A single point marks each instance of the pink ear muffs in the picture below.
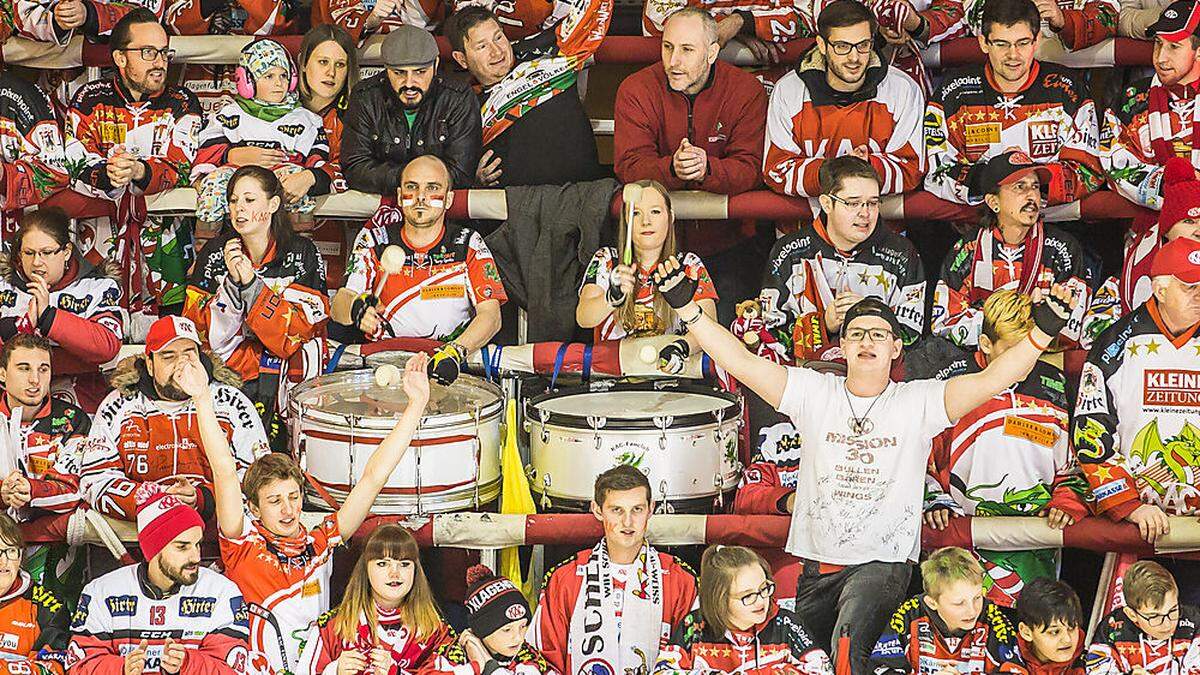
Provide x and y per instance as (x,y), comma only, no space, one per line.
(245,83)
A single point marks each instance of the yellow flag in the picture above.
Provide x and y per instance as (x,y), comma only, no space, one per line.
(515,497)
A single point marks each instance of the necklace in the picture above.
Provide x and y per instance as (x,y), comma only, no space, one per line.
(860,426)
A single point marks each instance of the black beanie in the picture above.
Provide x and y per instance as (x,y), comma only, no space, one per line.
(492,601)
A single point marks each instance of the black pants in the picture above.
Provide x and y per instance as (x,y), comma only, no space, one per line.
(856,601)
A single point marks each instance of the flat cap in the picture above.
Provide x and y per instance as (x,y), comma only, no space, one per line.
(407,46)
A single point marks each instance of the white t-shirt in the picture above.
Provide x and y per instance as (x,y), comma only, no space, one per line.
(858,498)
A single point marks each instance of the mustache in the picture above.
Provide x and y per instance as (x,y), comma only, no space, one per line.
(410,90)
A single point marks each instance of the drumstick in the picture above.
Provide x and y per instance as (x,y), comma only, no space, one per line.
(631,193)
(392,262)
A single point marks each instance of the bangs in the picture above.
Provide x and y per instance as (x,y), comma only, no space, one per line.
(391,541)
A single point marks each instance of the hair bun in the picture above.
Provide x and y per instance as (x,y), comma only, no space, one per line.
(477,573)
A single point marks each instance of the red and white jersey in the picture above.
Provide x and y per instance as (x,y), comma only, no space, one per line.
(774,20)
(808,122)
(285,586)
(435,293)
(599,272)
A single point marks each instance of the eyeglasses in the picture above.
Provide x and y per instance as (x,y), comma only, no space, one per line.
(1157,620)
(1005,45)
(857,204)
(10,553)
(765,593)
(876,334)
(843,48)
(45,252)
(151,54)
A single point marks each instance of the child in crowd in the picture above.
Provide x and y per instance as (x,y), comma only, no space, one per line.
(739,628)
(283,568)
(618,299)
(951,626)
(33,621)
(1049,630)
(495,642)
(387,622)
(265,125)
(1152,634)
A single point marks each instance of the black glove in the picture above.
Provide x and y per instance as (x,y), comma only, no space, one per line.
(615,294)
(358,309)
(677,287)
(673,357)
(445,364)
(1051,315)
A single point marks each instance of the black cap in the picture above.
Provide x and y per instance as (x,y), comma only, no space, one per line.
(1179,20)
(492,601)
(1005,168)
(872,307)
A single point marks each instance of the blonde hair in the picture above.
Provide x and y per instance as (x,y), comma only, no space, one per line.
(1146,583)
(718,566)
(1007,315)
(627,312)
(418,611)
(948,565)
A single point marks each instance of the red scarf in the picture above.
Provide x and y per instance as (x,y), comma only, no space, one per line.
(983,266)
(1137,266)
(407,652)
(1160,105)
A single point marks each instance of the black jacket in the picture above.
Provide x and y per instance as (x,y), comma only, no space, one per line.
(377,143)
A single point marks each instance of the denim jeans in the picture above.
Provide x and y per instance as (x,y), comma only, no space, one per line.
(857,600)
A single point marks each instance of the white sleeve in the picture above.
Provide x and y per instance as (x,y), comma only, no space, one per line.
(804,384)
(931,395)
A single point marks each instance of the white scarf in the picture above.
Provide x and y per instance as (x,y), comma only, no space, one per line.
(1159,121)
(627,647)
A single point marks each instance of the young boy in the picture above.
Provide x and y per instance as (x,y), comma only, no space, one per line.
(1049,631)
(951,627)
(1152,633)
(495,641)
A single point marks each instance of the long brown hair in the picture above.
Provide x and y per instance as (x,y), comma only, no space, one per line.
(718,566)
(626,313)
(315,37)
(282,231)
(418,609)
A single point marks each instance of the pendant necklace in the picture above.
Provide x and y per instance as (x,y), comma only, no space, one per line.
(860,426)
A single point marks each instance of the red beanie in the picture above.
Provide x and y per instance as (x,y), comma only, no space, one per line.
(1181,194)
(160,518)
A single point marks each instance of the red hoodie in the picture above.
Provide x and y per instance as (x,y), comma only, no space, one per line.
(727,119)
(1033,666)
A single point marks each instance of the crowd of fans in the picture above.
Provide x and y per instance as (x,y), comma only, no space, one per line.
(1032,383)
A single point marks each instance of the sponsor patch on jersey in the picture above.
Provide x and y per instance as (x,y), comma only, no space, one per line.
(311,589)
(888,646)
(1171,387)
(979,135)
(443,292)
(1043,139)
(1038,434)
(122,605)
(10,642)
(292,130)
(1110,489)
(194,607)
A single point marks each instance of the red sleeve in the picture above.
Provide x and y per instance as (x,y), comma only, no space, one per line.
(88,340)
(946,19)
(683,596)
(284,326)
(54,492)
(214,655)
(90,655)
(109,13)
(580,33)
(1067,500)
(635,148)
(484,275)
(1093,24)
(760,491)
(349,14)
(741,166)
(553,617)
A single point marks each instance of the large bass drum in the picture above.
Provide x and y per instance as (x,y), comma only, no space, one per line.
(454,463)
(684,437)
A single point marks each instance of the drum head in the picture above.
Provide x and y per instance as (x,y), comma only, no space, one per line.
(634,406)
(354,395)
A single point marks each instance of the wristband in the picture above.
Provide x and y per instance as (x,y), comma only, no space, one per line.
(694,319)
(1040,348)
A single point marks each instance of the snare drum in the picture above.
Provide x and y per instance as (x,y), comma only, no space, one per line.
(454,463)
(684,437)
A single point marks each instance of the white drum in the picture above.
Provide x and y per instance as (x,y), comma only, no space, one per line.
(454,463)
(684,437)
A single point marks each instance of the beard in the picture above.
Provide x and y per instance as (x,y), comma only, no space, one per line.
(171,391)
(181,576)
(411,90)
(144,86)
(840,72)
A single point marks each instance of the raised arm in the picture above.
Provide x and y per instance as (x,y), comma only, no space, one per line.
(967,392)
(765,378)
(227,488)
(383,461)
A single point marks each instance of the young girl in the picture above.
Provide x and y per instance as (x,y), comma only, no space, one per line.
(282,568)
(265,126)
(739,628)
(387,622)
(618,298)
(257,295)
(495,642)
(48,289)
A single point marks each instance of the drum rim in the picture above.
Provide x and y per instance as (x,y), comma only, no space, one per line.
(381,423)
(572,421)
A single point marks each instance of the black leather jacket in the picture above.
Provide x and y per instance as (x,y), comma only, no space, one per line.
(377,142)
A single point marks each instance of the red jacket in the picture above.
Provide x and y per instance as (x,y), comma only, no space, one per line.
(727,119)
(1030,665)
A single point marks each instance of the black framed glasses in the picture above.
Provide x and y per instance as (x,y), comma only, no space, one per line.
(857,204)
(876,334)
(151,54)
(1157,620)
(44,253)
(765,593)
(843,48)
(10,553)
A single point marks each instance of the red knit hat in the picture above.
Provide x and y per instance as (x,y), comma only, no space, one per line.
(1180,259)
(1181,194)
(160,518)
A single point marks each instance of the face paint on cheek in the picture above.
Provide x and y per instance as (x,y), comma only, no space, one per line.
(437,202)
(407,199)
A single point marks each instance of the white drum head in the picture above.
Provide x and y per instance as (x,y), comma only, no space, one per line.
(634,405)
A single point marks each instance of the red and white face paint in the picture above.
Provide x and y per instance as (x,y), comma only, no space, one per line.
(409,200)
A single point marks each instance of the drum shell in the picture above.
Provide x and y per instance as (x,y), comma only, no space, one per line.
(453,464)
